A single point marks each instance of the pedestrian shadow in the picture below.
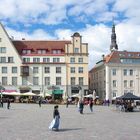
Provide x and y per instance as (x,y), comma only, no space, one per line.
(88,113)
(69,129)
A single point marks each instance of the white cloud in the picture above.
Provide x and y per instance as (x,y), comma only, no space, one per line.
(50,12)
(129,8)
(38,34)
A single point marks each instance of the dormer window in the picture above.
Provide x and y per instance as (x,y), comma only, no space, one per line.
(26,51)
(56,51)
(41,51)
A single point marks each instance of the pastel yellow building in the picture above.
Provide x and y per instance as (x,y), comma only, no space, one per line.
(77,65)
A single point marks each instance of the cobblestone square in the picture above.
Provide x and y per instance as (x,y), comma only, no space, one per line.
(29,122)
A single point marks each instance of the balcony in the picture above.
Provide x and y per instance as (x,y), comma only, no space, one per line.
(24,70)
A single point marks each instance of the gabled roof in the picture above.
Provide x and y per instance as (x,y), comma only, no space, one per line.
(116,56)
(35,45)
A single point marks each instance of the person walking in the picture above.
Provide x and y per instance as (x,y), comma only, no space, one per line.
(40,101)
(91,105)
(8,103)
(81,106)
(56,119)
(1,101)
(67,103)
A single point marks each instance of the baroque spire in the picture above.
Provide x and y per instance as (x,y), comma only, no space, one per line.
(113,46)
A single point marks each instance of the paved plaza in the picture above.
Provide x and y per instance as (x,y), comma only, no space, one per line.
(29,122)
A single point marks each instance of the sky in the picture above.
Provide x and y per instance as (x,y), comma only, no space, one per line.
(60,19)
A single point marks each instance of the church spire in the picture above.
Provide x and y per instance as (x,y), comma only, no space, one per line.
(113,46)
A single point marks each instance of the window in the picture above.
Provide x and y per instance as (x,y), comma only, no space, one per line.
(26,51)
(4,69)
(2,49)
(25,70)
(114,72)
(72,69)
(47,69)
(2,59)
(56,59)
(56,51)
(47,81)
(76,50)
(125,83)
(46,59)
(81,81)
(58,69)
(4,80)
(41,51)
(72,60)
(24,80)
(114,94)
(36,60)
(131,83)
(26,60)
(0,39)
(35,69)
(14,81)
(72,80)
(14,69)
(58,80)
(114,83)
(10,59)
(80,70)
(131,72)
(35,80)
(80,60)
(125,72)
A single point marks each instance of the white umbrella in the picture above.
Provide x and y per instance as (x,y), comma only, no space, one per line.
(75,95)
(12,93)
(89,96)
(29,94)
(47,94)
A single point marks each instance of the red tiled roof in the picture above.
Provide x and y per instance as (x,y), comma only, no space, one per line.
(116,56)
(35,45)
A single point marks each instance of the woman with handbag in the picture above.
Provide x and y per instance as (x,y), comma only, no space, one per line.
(56,119)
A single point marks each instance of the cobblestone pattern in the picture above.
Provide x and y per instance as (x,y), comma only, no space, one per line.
(30,122)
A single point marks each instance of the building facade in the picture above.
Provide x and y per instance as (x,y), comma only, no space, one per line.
(117,73)
(39,66)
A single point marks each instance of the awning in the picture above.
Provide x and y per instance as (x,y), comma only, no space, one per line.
(7,90)
(57,92)
(24,88)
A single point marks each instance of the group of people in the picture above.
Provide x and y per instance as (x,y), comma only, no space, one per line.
(54,125)
(125,105)
(2,101)
(81,105)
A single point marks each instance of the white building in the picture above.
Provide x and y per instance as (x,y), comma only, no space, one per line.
(117,73)
(40,65)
